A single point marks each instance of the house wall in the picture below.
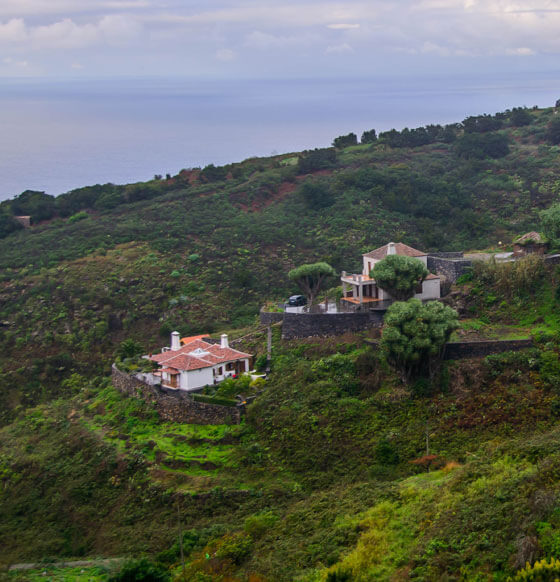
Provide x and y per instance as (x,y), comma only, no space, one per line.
(194,379)
(430,289)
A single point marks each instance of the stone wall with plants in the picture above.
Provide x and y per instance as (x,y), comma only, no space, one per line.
(176,406)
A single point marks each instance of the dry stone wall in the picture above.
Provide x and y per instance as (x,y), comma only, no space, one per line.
(452,265)
(479,349)
(175,406)
(300,325)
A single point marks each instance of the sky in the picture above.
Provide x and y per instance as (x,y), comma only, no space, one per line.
(271,39)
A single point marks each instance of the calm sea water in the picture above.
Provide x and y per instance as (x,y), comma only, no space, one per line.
(61,135)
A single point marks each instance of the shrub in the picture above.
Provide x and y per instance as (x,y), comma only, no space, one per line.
(542,571)
(344,141)
(479,146)
(512,279)
(553,132)
(78,216)
(141,571)
(256,525)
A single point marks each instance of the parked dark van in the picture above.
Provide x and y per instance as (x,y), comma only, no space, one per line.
(297,300)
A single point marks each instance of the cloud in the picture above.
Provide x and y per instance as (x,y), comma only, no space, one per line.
(13,31)
(343,26)
(339,49)
(225,55)
(264,40)
(65,34)
(521,51)
(14,63)
(38,8)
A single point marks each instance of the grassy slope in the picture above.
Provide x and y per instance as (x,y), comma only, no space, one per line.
(319,477)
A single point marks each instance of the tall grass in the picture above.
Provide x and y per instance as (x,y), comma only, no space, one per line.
(512,279)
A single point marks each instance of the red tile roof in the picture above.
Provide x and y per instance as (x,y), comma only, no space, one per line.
(400,249)
(186,340)
(186,359)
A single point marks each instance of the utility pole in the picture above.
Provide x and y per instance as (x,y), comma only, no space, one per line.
(268,349)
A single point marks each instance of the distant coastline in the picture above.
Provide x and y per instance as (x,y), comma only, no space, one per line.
(63,135)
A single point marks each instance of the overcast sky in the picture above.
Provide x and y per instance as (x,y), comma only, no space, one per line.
(265,38)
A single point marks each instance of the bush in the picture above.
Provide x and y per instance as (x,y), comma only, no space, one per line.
(344,141)
(316,194)
(512,279)
(553,132)
(141,571)
(257,525)
(479,146)
(78,216)
(542,571)
(317,159)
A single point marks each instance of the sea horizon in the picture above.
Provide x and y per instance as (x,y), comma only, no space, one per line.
(66,134)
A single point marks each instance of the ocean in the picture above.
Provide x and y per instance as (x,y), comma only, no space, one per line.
(56,136)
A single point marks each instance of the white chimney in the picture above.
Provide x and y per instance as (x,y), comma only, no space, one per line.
(175,341)
(391,249)
(224,341)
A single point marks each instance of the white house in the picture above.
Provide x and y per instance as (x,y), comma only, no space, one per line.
(362,289)
(198,363)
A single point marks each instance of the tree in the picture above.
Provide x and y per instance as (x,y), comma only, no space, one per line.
(38,205)
(310,277)
(369,136)
(129,348)
(317,159)
(520,116)
(399,275)
(550,220)
(553,132)
(316,194)
(479,146)
(415,334)
(344,141)
(481,124)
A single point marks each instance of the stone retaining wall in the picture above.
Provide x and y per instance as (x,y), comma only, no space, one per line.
(175,406)
(447,255)
(300,325)
(451,267)
(460,350)
(270,317)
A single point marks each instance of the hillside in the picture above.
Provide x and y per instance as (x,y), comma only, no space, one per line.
(318,483)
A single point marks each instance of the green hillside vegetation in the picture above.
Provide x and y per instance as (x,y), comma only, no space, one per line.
(340,471)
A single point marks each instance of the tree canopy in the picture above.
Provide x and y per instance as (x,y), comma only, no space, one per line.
(553,132)
(344,141)
(550,219)
(399,275)
(480,145)
(310,277)
(415,334)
